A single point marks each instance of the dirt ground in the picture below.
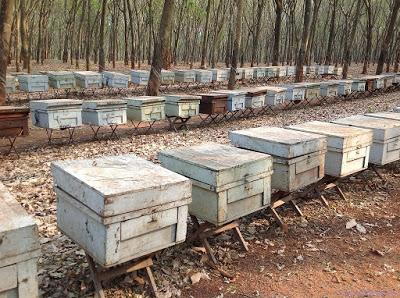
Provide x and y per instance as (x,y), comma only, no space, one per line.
(317,257)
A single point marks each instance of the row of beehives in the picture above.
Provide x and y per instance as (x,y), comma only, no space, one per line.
(121,208)
(90,79)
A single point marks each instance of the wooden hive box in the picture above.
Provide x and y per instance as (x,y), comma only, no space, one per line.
(88,79)
(388,79)
(219,75)
(19,249)
(236,99)
(228,182)
(385,115)
(298,157)
(61,79)
(312,70)
(255,97)
(345,87)
(182,105)
(10,84)
(386,137)
(338,71)
(203,76)
(33,83)
(328,69)
(374,82)
(358,85)
(271,71)
(291,71)
(329,88)
(282,70)
(13,121)
(396,80)
(167,76)
(245,73)
(119,208)
(140,77)
(115,80)
(295,92)
(258,72)
(104,112)
(347,147)
(312,90)
(213,103)
(56,113)
(146,108)
(275,95)
(185,76)
(396,110)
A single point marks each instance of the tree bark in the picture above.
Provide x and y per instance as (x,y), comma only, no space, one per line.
(304,41)
(88,36)
(277,32)
(368,45)
(23,33)
(102,61)
(260,8)
(205,36)
(236,45)
(153,87)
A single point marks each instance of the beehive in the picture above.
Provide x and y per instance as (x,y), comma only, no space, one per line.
(385,115)
(203,76)
(19,249)
(271,71)
(33,83)
(312,70)
(329,88)
(182,105)
(338,71)
(146,108)
(213,103)
(236,99)
(345,87)
(291,71)
(358,85)
(298,157)
(386,139)
(388,79)
(327,69)
(10,84)
(295,92)
(119,208)
(88,79)
(347,147)
(275,96)
(185,76)
(13,121)
(115,80)
(282,71)
(255,97)
(219,75)
(312,90)
(167,77)
(56,113)
(228,182)
(374,82)
(396,80)
(140,77)
(104,112)
(61,79)
(258,72)
(396,110)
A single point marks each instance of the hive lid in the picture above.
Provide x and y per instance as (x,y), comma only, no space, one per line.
(383,129)
(102,104)
(278,141)
(12,110)
(142,100)
(59,73)
(55,104)
(230,92)
(115,185)
(385,115)
(215,164)
(87,73)
(140,71)
(213,95)
(273,89)
(339,137)
(173,98)
(184,71)
(114,74)
(18,231)
(33,77)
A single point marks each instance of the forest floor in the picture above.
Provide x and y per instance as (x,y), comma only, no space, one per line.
(317,257)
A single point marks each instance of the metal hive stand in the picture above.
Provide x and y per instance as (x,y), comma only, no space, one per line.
(100,274)
(11,140)
(177,123)
(96,129)
(70,130)
(146,130)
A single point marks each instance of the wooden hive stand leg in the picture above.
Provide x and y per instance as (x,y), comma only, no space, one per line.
(99,292)
(340,192)
(240,238)
(278,218)
(322,198)
(209,250)
(296,208)
(152,282)
(375,170)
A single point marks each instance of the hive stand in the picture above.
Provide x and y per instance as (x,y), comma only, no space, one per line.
(210,118)
(50,138)
(206,230)
(96,130)
(100,274)
(177,123)
(233,115)
(149,128)
(11,140)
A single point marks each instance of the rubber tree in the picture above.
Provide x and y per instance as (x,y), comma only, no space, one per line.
(277,32)
(205,37)
(236,45)
(304,41)
(102,60)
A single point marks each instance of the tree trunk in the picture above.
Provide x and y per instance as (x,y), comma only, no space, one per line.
(304,41)
(132,31)
(277,33)
(126,34)
(164,33)
(24,37)
(260,8)
(88,35)
(78,35)
(6,13)
(102,61)
(205,36)
(368,45)
(310,44)
(236,45)
(388,37)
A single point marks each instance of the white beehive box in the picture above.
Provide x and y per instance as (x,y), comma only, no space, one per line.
(320,69)
(291,71)
(255,97)
(104,112)
(33,83)
(386,139)
(61,79)
(182,105)
(140,77)
(282,70)
(396,110)
(115,80)
(271,71)
(219,75)
(358,85)
(19,249)
(120,208)
(312,70)
(56,113)
(185,76)
(275,96)
(228,182)
(203,76)
(312,90)
(236,99)
(295,92)
(348,147)
(146,108)
(329,69)
(167,77)
(298,157)
(345,87)
(10,84)
(88,79)
(258,72)
(388,79)
(329,88)
(338,71)
(396,78)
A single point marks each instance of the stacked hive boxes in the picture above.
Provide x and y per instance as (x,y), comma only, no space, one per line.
(236,99)
(104,112)
(114,213)
(19,249)
(181,105)
(228,182)
(329,89)
(312,90)
(219,75)
(298,157)
(345,87)
(348,147)
(146,108)
(115,79)
(88,79)
(358,85)
(33,83)
(61,79)
(275,96)
(258,72)
(56,113)
(255,97)
(295,92)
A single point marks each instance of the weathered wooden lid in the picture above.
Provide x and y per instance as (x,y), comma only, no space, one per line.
(48,104)
(236,92)
(13,110)
(87,74)
(115,74)
(278,141)
(119,184)
(18,231)
(213,95)
(140,72)
(103,104)
(143,100)
(385,115)
(60,73)
(174,98)
(383,129)
(33,78)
